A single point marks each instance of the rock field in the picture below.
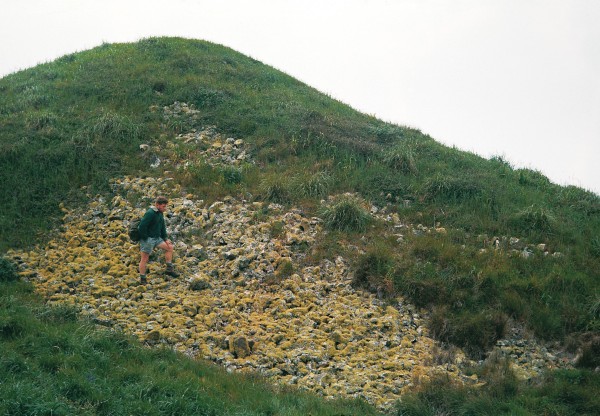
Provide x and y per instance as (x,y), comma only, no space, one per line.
(241,300)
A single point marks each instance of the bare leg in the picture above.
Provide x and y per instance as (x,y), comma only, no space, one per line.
(168,249)
(143,262)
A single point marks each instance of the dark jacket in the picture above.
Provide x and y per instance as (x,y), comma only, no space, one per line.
(153,225)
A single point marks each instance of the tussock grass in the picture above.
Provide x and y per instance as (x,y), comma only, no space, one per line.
(232,175)
(345,213)
(558,393)
(276,189)
(8,271)
(374,270)
(451,189)
(533,219)
(318,185)
(401,158)
(472,293)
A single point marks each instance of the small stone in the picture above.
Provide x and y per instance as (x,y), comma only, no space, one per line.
(153,335)
(199,284)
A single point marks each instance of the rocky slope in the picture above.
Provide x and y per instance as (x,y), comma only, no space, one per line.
(242,300)
(245,298)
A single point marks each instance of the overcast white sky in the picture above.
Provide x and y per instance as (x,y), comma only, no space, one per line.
(516,78)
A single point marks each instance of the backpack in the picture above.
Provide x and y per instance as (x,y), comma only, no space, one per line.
(134,232)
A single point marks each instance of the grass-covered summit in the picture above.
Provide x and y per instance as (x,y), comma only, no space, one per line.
(485,246)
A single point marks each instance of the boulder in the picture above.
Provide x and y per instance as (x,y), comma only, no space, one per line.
(239,347)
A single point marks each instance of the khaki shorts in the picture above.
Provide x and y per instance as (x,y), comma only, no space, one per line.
(149,244)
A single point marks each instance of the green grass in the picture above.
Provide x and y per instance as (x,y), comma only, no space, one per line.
(80,120)
(345,213)
(474,292)
(560,393)
(54,363)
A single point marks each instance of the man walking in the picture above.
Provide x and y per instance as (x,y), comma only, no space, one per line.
(153,233)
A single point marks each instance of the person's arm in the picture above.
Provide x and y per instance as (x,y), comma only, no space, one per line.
(163,231)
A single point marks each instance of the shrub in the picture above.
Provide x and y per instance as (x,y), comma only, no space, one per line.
(513,303)
(345,214)
(545,322)
(159,86)
(8,271)
(199,174)
(277,229)
(11,327)
(199,284)
(391,186)
(284,270)
(501,162)
(417,282)
(422,292)
(205,97)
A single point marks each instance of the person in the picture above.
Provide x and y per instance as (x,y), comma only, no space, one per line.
(153,234)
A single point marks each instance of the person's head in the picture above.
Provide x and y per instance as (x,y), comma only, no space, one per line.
(161,203)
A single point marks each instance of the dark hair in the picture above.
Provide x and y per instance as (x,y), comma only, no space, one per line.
(161,200)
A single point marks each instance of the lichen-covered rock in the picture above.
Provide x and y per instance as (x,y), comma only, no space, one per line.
(239,347)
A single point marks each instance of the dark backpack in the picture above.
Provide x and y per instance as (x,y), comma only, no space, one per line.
(134,232)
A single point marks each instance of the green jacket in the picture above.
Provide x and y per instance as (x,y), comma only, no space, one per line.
(153,225)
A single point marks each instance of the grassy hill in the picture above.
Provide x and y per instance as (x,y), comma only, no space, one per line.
(507,244)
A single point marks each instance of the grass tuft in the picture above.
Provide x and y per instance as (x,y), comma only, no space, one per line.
(345,213)
(450,189)
(402,159)
(277,190)
(533,219)
(317,185)
(8,270)
(374,270)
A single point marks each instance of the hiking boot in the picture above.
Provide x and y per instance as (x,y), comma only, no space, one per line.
(143,280)
(171,272)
